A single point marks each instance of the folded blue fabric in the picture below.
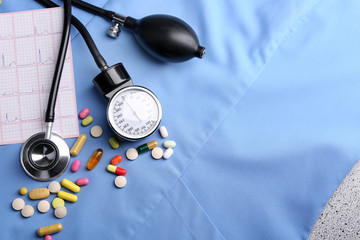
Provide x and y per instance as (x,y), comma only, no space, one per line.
(266,125)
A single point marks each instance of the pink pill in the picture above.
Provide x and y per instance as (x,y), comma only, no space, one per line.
(82,181)
(83,114)
(75,166)
(48,237)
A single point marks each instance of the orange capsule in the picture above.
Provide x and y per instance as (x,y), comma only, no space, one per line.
(95,159)
(116,159)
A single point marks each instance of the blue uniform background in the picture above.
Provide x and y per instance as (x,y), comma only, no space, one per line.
(267,125)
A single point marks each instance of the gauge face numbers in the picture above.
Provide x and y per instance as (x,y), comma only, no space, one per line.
(134,112)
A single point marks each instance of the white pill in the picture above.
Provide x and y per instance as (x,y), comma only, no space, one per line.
(27,211)
(168,153)
(18,204)
(157,153)
(43,206)
(54,187)
(60,212)
(120,181)
(96,131)
(132,154)
(163,132)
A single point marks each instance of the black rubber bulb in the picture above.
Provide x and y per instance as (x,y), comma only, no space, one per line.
(166,37)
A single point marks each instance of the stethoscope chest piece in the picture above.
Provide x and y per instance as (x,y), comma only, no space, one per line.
(45,159)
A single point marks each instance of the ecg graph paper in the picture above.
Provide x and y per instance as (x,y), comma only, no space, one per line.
(29,44)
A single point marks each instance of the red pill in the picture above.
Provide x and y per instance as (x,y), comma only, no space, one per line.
(83,114)
(116,159)
(75,166)
(116,170)
(82,181)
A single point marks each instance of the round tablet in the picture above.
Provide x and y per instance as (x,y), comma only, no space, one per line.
(60,212)
(120,181)
(18,204)
(43,206)
(27,211)
(54,187)
(57,202)
(23,191)
(157,153)
(132,154)
(96,131)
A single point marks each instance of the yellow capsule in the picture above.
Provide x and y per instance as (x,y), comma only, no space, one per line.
(95,159)
(87,121)
(67,196)
(70,185)
(113,143)
(78,145)
(49,229)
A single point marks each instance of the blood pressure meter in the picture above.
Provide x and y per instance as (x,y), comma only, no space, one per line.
(133,112)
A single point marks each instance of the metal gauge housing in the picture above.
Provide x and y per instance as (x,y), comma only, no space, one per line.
(134,113)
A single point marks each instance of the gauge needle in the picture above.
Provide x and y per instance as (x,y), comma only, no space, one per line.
(131,109)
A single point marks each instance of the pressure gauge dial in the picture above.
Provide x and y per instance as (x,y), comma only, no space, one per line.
(134,113)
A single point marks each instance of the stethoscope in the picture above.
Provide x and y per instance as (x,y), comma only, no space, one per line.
(133,112)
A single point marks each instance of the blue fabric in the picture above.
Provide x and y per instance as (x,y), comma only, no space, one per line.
(267,125)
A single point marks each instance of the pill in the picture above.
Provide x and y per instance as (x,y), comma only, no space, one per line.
(48,237)
(82,181)
(49,229)
(96,131)
(147,146)
(54,187)
(163,132)
(83,114)
(67,196)
(168,153)
(116,170)
(120,181)
(157,153)
(169,144)
(23,191)
(76,148)
(39,193)
(132,154)
(43,206)
(114,143)
(87,121)
(57,202)
(27,211)
(70,185)
(95,159)
(60,212)
(75,165)
(18,204)
(115,160)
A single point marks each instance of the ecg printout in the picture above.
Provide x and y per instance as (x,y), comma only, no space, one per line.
(29,44)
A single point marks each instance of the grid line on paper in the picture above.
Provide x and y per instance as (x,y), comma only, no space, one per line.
(29,42)
(17,77)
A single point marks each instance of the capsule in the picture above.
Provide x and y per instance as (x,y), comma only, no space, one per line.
(67,196)
(95,159)
(83,114)
(113,143)
(70,185)
(116,159)
(163,132)
(87,121)
(147,146)
(75,166)
(116,170)
(82,181)
(39,193)
(169,144)
(75,150)
(49,229)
